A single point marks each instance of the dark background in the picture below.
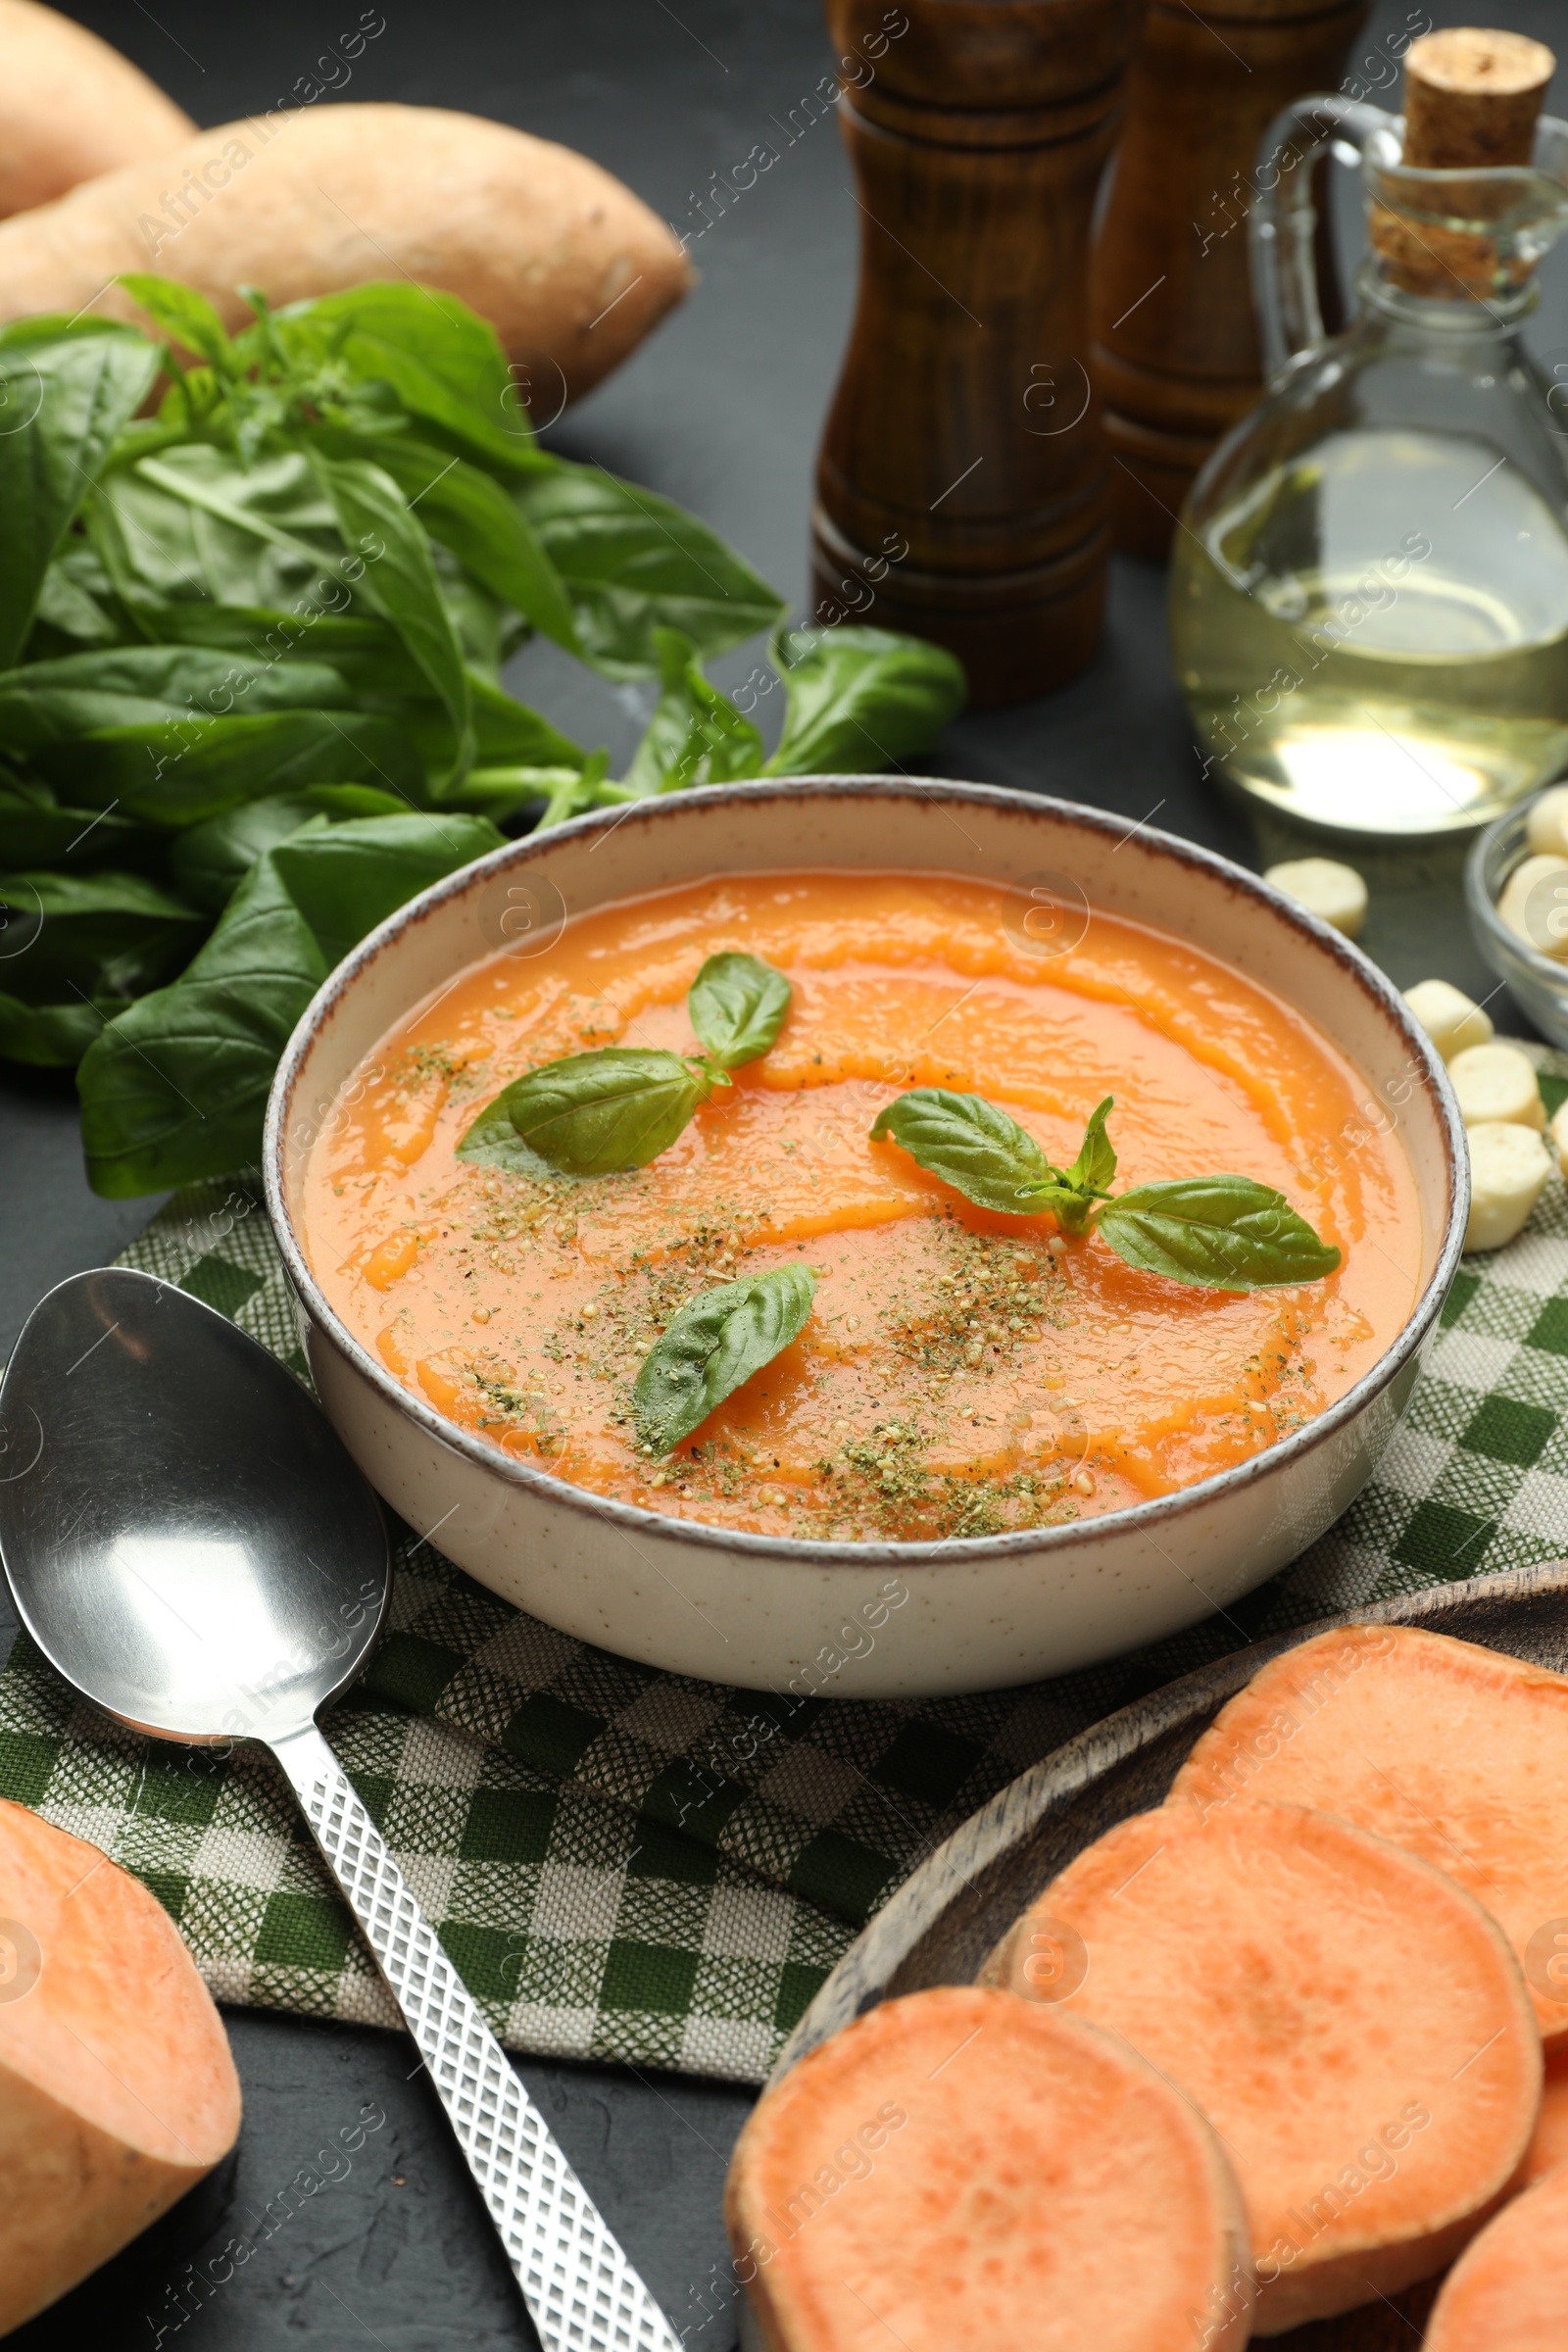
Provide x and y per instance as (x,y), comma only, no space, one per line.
(721,412)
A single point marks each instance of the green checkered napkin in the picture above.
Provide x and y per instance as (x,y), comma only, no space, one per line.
(632,1865)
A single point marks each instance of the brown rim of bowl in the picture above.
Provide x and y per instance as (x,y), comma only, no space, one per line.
(1105,1526)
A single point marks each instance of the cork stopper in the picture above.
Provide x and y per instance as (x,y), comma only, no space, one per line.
(1471,104)
(1471,99)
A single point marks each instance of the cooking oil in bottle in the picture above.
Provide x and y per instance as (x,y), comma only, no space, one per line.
(1369,591)
(1375,634)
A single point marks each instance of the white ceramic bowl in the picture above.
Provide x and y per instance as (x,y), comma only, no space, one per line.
(765,1611)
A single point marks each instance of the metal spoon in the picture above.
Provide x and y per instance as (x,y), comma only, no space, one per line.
(190,1545)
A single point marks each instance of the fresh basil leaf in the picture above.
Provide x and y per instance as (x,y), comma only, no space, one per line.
(210,860)
(711,1346)
(972,1146)
(492,1142)
(66,938)
(185,316)
(53,326)
(695,735)
(592,1114)
(179,772)
(862,699)
(281,499)
(1094,1170)
(427,732)
(507,731)
(61,402)
(146,685)
(77,605)
(367,654)
(346,879)
(158,551)
(400,579)
(189,522)
(737,1006)
(441,359)
(1219,1233)
(175,1087)
(479,620)
(634,564)
(361,647)
(35,831)
(484,527)
(51,1036)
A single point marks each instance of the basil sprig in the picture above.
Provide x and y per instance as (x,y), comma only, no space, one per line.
(1218,1233)
(711,1346)
(987,1156)
(618,1107)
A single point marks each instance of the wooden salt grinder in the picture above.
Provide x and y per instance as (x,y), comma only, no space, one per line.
(1176,351)
(961,482)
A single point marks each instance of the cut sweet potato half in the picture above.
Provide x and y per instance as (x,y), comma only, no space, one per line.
(959,2172)
(1550,2144)
(117,2089)
(1350,2019)
(1508,2291)
(1454,1752)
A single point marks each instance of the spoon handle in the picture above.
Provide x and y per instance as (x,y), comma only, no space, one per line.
(581,2291)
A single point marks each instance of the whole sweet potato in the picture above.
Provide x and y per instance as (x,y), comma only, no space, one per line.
(568,265)
(71,107)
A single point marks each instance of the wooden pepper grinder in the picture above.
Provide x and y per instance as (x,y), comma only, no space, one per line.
(1176,352)
(961,482)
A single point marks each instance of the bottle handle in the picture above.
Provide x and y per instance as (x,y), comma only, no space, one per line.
(1282,226)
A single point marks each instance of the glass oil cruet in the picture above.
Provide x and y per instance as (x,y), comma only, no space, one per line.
(1370,594)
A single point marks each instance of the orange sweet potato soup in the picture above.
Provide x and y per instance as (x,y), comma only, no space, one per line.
(962,1372)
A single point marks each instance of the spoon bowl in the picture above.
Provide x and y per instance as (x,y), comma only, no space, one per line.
(190,1544)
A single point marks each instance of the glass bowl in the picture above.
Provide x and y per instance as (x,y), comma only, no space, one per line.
(1540,984)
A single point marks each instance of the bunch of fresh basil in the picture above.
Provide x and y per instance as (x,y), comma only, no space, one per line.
(250,657)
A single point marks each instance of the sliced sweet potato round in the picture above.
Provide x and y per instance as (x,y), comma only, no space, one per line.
(959,2172)
(1508,2291)
(1350,2019)
(1550,2144)
(1454,1752)
(117,2089)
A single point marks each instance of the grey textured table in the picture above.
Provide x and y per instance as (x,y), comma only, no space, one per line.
(720,411)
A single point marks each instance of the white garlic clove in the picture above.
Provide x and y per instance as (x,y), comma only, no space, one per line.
(1497,1084)
(1557,1132)
(1452,1019)
(1547,825)
(1334,893)
(1508,1166)
(1533,905)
